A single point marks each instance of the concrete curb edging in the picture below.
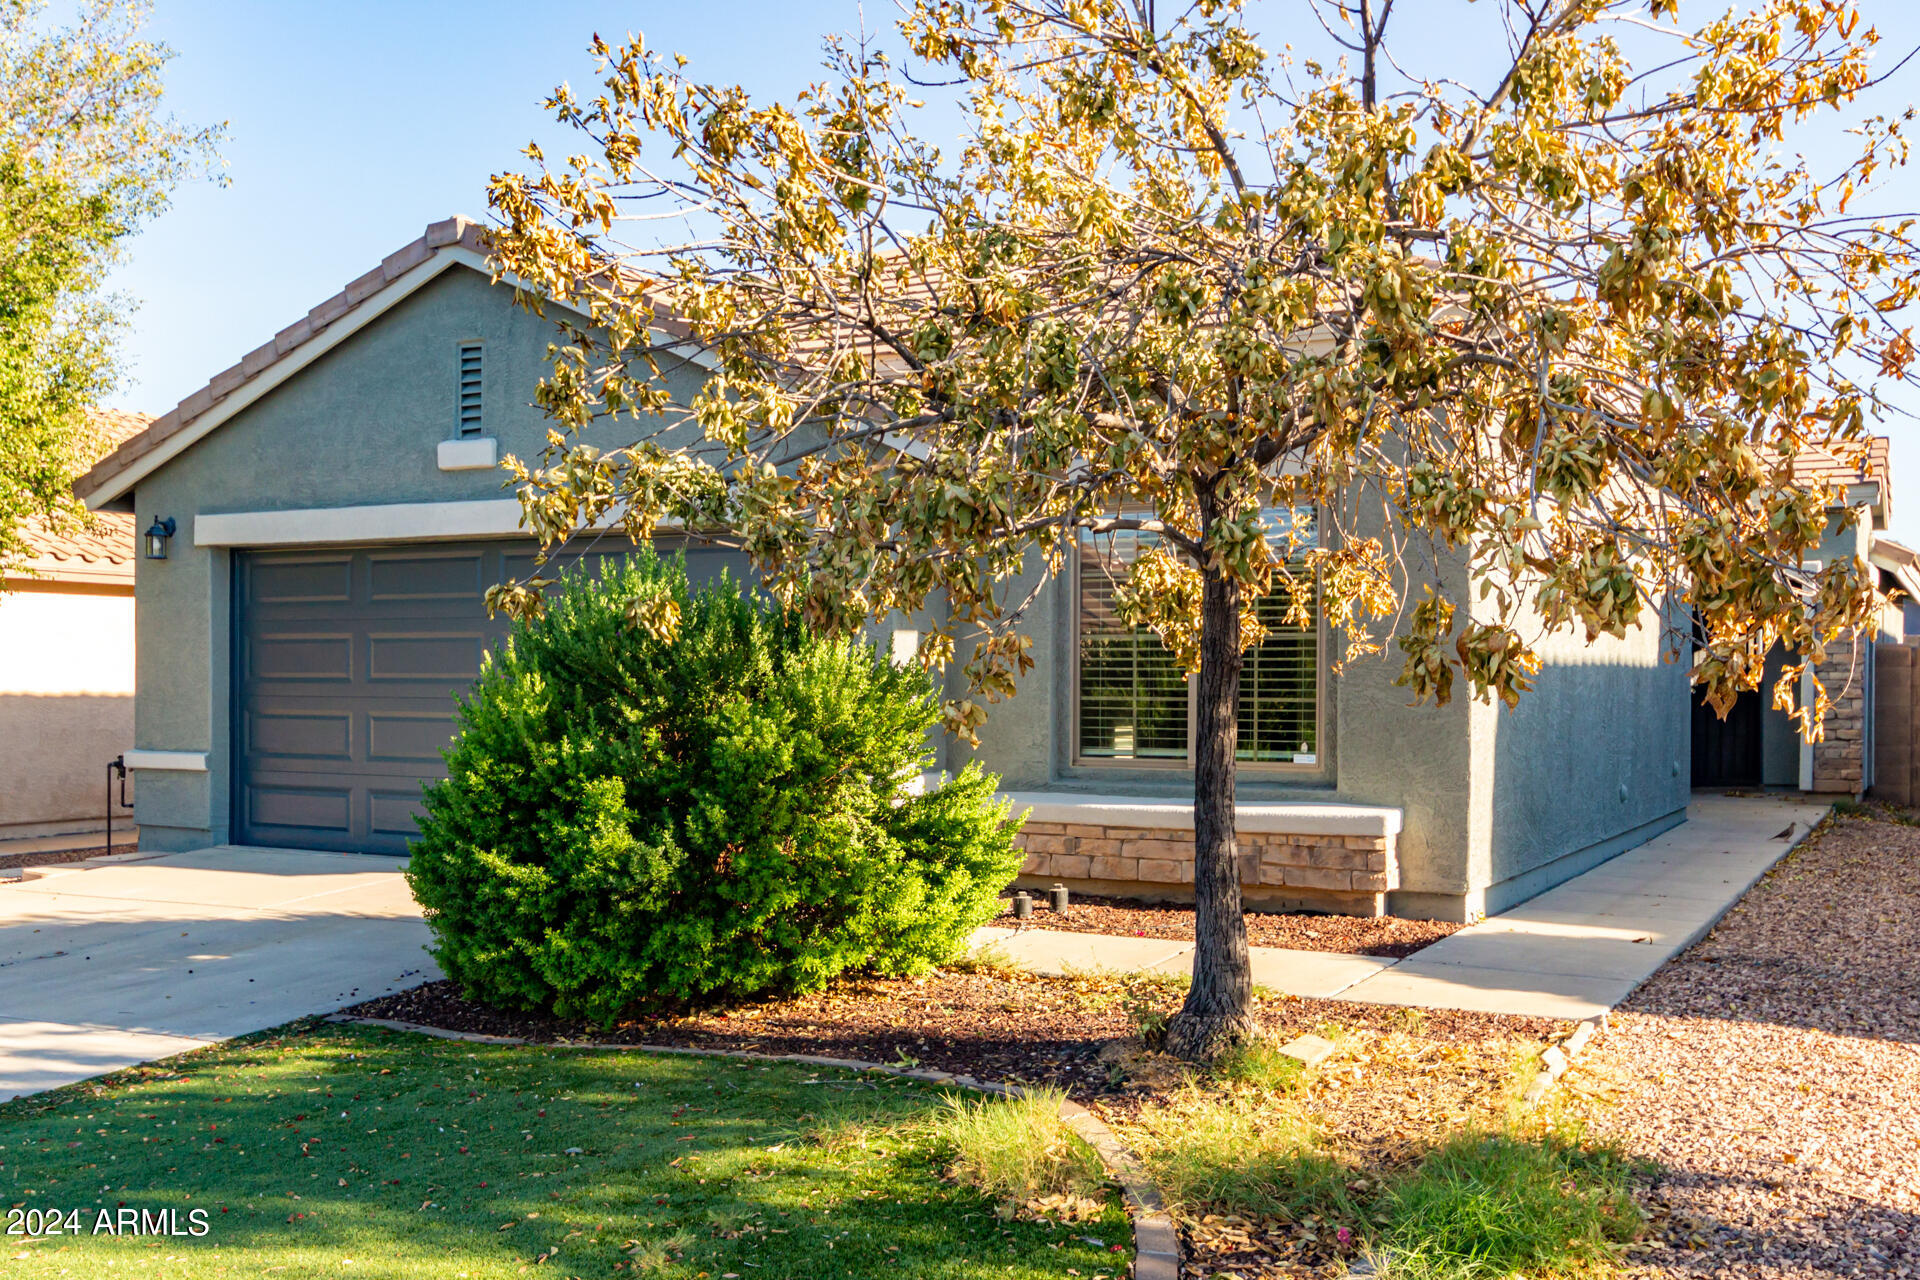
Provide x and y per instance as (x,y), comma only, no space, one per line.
(1558,1057)
(1156,1245)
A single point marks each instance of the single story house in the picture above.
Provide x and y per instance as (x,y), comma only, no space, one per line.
(66,667)
(338,513)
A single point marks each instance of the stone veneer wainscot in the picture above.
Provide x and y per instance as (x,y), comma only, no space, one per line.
(1337,858)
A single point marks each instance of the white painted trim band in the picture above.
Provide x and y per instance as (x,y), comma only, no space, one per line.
(388,522)
(170,761)
(1140,811)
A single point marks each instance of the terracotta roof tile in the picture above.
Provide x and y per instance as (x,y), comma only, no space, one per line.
(1860,463)
(104,552)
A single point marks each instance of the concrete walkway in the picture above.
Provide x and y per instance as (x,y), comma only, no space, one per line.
(1572,952)
(107,963)
(1055,951)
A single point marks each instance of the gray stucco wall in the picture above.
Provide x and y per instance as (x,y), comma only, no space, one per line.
(359,426)
(1595,758)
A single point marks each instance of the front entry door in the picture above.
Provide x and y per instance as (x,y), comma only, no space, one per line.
(1726,753)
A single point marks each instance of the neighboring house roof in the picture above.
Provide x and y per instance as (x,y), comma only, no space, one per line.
(1898,561)
(1820,466)
(103,552)
(1861,470)
(292,349)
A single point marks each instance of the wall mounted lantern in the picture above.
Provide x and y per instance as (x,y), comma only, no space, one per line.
(158,536)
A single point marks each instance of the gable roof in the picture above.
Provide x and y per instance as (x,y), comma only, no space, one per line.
(443,244)
(103,552)
(1899,562)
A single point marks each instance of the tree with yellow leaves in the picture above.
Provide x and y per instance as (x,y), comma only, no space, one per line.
(1565,330)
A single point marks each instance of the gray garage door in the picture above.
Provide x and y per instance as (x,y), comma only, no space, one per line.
(346,667)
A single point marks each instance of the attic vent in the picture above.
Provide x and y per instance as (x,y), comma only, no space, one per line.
(469,408)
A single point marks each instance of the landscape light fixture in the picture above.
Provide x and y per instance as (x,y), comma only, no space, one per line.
(158,535)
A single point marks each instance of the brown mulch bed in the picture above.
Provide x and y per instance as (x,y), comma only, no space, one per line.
(1773,1073)
(994,1025)
(53,857)
(1301,931)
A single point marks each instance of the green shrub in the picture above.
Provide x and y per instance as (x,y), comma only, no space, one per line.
(629,822)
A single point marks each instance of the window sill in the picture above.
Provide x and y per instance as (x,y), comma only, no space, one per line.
(1143,811)
(475,453)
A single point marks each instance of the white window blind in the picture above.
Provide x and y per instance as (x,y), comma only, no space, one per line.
(1135,703)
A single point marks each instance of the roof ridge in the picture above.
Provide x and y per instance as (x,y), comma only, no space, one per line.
(447,233)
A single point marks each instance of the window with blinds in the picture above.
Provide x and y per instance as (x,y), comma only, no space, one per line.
(1135,703)
(1133,696)
(468,401)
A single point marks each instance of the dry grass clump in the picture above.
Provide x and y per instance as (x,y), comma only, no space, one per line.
(1018,1150)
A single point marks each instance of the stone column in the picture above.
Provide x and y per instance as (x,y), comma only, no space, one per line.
(1839,757)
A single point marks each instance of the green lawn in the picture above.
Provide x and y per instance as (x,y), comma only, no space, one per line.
(353,1151)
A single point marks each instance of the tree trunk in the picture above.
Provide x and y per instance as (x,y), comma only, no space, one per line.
(1218,1014)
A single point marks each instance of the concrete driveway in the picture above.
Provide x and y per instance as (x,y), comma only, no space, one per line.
(119,961)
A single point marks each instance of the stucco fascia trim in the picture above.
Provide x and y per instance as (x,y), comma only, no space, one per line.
(170,761)
(1140,811)
(385,522)
(356,316)
(283,369)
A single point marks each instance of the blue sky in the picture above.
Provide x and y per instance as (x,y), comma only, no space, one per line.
(354,124)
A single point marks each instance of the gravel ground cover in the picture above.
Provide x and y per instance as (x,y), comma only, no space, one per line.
(53,857)
(1773,1073)
(1299,931)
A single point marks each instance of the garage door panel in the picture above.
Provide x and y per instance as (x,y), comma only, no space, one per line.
(454,657)
(391,814)
(303,579)
(305,657)
(311,735)
(348,670)
(280,805)
(397,736)
(427,577)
